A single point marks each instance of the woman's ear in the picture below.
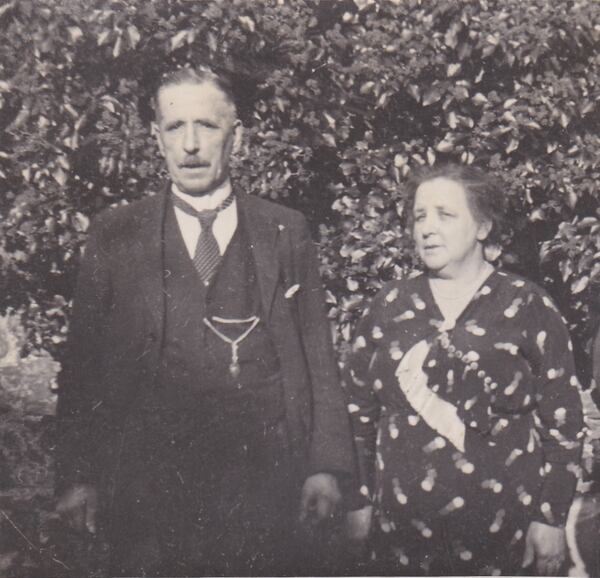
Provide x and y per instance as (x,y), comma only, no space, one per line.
(484,230)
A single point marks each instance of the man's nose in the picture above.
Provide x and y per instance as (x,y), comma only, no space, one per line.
(191,142)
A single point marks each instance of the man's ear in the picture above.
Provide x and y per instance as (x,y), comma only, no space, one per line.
(484,230)
(156,132)
(238,133)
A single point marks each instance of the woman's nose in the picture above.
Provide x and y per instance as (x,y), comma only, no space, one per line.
(428,225)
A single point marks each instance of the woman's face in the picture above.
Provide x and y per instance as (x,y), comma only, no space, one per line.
(447,234)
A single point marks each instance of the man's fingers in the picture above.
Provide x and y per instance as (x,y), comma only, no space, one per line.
(305,505)
(91,507)
(76,517)
(77,507)
(324,508)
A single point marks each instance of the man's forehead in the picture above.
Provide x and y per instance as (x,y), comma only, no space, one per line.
(201,95)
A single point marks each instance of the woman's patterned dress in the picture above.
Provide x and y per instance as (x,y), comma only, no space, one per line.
(507,368)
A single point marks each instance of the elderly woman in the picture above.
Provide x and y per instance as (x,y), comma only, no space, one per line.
(464,401)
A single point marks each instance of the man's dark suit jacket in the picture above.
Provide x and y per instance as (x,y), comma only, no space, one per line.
(114,344)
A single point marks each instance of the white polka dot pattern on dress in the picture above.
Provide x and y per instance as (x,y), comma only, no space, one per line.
(418,302)
(392,295)
(498,521)
(541,341)
(359,343)
(504,369)
(406,316)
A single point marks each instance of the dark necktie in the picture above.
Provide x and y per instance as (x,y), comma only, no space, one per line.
(206,255)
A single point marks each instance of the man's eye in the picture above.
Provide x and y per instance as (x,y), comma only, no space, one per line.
(419,217)
(209,125)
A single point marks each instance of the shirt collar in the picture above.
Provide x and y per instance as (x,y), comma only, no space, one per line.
(205,202)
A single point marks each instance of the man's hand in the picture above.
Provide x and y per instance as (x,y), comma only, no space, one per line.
(547,546)
(320,497)
(358,524)
(77,507)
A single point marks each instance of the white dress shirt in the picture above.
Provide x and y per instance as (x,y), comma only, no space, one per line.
(224,226)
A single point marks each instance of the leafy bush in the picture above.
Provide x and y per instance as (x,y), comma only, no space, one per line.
(340,99)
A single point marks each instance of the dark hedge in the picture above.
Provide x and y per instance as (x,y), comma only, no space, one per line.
(341,101)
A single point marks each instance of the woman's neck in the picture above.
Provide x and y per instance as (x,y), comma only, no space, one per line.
(456,292)
(464,277)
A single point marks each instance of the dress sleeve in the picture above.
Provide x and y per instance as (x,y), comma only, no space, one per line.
(363,404)
(558,416)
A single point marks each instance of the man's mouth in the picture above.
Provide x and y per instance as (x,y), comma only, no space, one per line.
(194,165)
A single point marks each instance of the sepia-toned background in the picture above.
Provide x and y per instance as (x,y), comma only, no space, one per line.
(340,99)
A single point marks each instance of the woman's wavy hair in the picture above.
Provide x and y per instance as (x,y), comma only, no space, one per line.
(485,194)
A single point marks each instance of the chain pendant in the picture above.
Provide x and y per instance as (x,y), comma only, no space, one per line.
(234,369)
(234,366)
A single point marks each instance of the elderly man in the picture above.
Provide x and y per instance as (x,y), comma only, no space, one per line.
(200,410)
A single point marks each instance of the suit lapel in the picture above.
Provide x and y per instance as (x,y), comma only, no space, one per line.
(149,256)
(263,234)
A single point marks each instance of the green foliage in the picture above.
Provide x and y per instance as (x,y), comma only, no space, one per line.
(341,101)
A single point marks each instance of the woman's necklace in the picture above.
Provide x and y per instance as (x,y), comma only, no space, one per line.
(234,366)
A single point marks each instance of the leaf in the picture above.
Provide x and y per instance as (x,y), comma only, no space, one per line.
(75,33)
(179,39)
(103,37)
(446,145)
(566,270)
(414,91)
(400,161)
(579,284)
(453,69)
(134,35)
(479,99)
(59,176)
(247,23)
(513,145)
(367,87)
(118,46)
(329,139)
(8,6)
(431,96)
(330,120)
(81,223)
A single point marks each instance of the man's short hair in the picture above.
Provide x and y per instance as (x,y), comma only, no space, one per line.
(195,75)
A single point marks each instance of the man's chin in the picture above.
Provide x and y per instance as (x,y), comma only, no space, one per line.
(198,187)
(195,189)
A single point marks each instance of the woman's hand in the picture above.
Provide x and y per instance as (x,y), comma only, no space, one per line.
(546,545)
(358,524)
